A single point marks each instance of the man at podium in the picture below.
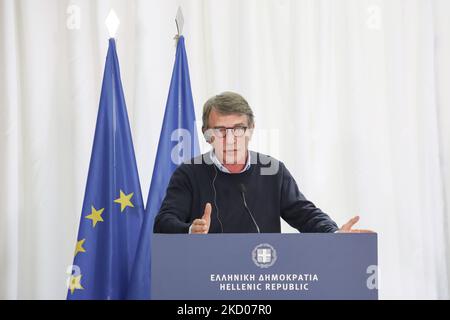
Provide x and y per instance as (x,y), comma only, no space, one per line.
(234,190)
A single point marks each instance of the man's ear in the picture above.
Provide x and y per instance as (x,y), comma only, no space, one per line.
(207,134)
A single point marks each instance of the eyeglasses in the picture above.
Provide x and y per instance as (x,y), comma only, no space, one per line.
(221,132)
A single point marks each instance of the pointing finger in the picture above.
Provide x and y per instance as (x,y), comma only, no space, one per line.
(207,213)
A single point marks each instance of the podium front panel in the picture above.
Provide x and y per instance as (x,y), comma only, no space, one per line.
(264,266)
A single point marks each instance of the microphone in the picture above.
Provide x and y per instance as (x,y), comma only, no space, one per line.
(243,191)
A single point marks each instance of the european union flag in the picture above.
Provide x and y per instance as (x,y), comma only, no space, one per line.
(113,210)
(178,142)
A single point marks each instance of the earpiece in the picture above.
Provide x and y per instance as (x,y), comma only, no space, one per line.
(215,198)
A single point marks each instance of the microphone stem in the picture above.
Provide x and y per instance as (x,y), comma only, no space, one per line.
(250,213)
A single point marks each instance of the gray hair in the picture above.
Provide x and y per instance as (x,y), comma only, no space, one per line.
(227,103)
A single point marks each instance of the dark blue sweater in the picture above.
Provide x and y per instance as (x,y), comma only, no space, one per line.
(268,198)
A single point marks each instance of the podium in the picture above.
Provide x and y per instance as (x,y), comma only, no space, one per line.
(264,267)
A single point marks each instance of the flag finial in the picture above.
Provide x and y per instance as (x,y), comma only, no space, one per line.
(179,20)
(112,22)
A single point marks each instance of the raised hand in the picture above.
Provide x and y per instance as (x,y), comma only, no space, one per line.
(201,226)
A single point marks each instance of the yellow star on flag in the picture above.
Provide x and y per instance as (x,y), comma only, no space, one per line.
(95,216)
(124,200)
(79,247)
(75,283)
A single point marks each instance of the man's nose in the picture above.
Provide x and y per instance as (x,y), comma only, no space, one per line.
(230,139)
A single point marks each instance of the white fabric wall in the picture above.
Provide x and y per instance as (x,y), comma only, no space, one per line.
(353,95)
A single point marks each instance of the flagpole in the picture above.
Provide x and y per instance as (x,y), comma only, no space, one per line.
(113,209)
(179,116)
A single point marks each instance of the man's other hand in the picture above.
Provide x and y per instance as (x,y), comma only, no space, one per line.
(347,228)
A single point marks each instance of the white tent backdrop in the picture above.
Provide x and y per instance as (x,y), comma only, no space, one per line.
(353,95)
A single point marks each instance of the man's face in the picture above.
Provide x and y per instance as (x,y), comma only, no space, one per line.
(231,148)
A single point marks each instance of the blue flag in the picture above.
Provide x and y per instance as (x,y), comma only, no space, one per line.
(178,142)
(113,210)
